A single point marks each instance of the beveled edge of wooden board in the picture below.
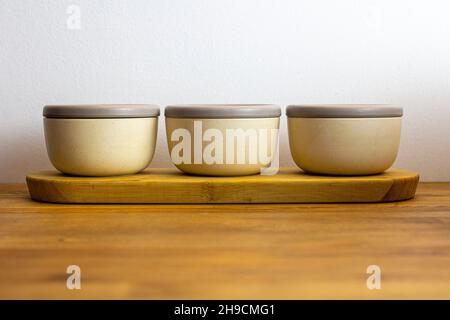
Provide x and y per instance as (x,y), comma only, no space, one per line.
(166,186)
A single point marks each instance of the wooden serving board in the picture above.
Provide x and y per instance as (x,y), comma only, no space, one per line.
(172,186)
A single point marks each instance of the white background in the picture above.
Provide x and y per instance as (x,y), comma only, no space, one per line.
(226,51)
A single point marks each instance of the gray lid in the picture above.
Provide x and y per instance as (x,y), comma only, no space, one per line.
(101,111)
(223,111)
(344,111)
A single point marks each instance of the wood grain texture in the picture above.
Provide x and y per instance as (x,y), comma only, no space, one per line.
(171,186)
(258,251)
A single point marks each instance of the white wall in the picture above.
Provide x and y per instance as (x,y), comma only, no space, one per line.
(226,51)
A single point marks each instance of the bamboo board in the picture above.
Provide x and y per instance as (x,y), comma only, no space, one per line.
(171,186)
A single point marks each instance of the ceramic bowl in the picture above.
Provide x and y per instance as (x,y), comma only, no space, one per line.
(344,139)
(222,140)
(100,140)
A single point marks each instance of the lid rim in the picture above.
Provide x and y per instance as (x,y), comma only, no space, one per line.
(99,117)
(223,111)
(99,111)
(344,111)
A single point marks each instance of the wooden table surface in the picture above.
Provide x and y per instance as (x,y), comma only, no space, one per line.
(288,251)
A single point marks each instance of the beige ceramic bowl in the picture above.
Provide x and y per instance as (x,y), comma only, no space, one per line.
(344,139)
(100,140)
(222,140)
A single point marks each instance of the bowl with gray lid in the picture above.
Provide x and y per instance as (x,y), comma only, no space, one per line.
(100,139)
(342,139)
(222,139)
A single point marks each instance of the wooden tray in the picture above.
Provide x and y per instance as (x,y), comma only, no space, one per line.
(172,186)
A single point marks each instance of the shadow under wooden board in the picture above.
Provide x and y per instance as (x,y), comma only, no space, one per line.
(168,186)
